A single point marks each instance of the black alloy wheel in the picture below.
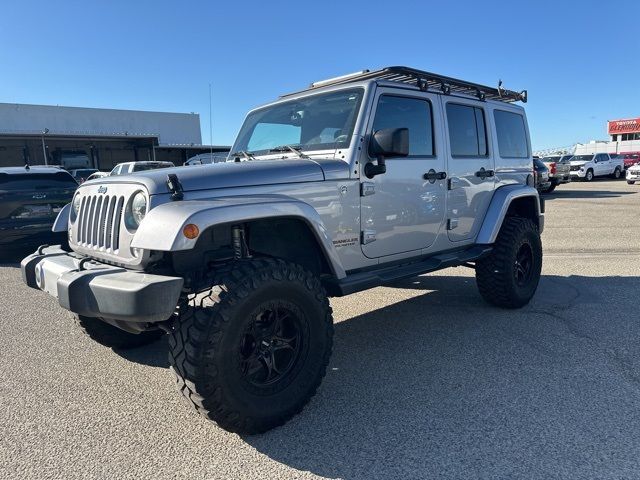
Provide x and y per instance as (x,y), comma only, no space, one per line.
(271,344)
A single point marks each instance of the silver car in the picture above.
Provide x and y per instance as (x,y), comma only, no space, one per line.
(352,183)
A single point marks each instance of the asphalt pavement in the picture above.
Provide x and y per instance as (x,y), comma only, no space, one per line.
(426,380)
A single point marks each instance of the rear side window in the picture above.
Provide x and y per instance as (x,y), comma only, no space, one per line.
(37,181)
(150,166)
(467,131)
(512,135)
(411,113)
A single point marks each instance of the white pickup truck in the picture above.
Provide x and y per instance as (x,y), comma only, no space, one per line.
(587,167)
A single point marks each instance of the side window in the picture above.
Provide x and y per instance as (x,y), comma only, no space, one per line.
(512,135)
(467,131)
(411,113)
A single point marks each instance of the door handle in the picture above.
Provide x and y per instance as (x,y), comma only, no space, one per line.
(482,173)
(432,176)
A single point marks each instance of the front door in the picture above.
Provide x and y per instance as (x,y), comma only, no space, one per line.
(401,211)
(470,168)
(603,164)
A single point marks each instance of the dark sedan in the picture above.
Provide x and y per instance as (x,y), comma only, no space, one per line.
(30,200)
(541,174)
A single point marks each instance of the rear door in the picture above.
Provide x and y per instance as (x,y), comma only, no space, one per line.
(470,167)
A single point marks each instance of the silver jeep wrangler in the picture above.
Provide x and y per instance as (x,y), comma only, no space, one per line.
(352,183)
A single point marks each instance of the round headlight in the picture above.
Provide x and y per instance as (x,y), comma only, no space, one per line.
(138,208)
(75,207)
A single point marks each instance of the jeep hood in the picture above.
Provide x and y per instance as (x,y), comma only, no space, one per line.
(235,174)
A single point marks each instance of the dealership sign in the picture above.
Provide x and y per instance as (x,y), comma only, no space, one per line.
(624,126)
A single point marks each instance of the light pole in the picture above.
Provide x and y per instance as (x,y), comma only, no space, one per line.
(44,149)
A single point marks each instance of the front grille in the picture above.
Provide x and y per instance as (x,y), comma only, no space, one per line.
(575,168)
(99,221)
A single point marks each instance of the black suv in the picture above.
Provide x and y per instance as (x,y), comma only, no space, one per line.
(30,200)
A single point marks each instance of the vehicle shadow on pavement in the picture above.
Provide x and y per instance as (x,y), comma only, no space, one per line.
(560,194)
(12,256)
(444,385)
(152,355)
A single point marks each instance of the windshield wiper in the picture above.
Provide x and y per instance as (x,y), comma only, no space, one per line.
(247,155)
(291,148)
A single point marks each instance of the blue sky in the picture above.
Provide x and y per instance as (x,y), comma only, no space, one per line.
(580,61)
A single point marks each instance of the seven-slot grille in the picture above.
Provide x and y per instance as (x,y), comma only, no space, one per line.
(99,221)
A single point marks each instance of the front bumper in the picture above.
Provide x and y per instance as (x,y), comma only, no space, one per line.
(94,289)
(633,176)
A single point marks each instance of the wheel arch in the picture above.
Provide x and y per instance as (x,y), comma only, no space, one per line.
(511,200)
(268,217)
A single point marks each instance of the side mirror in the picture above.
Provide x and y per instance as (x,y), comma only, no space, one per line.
(388,142)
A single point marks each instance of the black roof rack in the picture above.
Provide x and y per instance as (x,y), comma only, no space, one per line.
(427,81)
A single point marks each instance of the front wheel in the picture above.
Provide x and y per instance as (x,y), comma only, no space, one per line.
(588,177)
(509,276)
(251,353)
(631,182)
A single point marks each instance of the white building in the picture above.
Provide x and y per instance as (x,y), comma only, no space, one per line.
(101,138)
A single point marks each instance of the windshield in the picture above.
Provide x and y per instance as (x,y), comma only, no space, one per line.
(318,122)
(582,158)
(550,159)
(37,182)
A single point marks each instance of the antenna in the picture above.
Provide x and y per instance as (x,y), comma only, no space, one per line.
(210,124)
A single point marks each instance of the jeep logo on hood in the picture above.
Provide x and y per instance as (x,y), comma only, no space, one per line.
(102,189)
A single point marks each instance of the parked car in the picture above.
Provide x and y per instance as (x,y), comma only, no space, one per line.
(588,167)
(81,175)
(630,159)
(95,175)
(236,261)
(559,170)
(207,158)
(30,200)
(633,174)
(541,175)
(132,167)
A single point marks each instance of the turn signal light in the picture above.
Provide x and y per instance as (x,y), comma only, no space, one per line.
(552,168)
(190,231)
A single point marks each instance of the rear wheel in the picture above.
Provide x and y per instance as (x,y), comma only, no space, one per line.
(509,276)
(113,337)
(251,353)
(617,173)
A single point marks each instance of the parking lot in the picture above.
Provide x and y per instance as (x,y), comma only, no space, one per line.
(426,380)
